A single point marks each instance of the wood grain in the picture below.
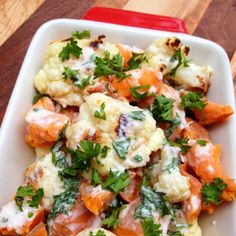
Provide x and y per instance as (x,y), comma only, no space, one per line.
(218,24)
(110,3)
(13,13)
(13,50)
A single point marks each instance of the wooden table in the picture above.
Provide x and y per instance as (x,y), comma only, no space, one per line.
(212,19)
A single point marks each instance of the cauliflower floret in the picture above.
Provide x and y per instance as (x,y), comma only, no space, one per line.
(142,135)
(170,180)
(159,56)
(44,174)
(49,80)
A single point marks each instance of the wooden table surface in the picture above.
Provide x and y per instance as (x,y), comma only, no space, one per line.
(212,19)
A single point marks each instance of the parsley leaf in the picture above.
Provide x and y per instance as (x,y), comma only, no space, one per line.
(201,142)
(174,233)
(193,100)
(83,82)
(96,180)
(182,61)
(101,114)
(182,143)
(135,61)
(27,191)
(136,94)
(116,182)
(104,151)
(145,180)
(172,165)
(71,48)
(174,124)
(138,158)
(151,201)
(112,214)
(150,228)
(137,115)
(69,74)
(211,193)
(121,147)
(99,233)
(30,214)
(80,35)
(162,109)
(38,96)
(106,66)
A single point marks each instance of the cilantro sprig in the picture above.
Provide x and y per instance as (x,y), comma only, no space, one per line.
(182,61)
(135,61)
(193,100)
(71,48)
(100,114)
(211,192)
(109,66)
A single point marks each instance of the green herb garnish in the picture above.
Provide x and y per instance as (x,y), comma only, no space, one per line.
(135,61)
(201,142)
(136,94)
(101,113)
(80,35)
(71,48)
(211,193)
(193,100)
(99,233)
(96,180)
(182,143)
(121,147)
(182,61)
(137,115)
(138,158)
(150,228)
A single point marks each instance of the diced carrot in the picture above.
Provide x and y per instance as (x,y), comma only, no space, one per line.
(128,226)
(192,206)
(213,113)
(44,102)
(95,199)
(78,219)
(38,230)
(195,131)
(132,190)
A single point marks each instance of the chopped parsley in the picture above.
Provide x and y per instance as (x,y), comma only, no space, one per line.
(109,66)
(30,214)
(182,61)
(201,142)
(96,180)
(150,228)
(116,182)
(99,233)
(27,191)
(101,113)
(80,35)
(173,165)
(173,125)
(83,82)
(182,143)
(71,48)
(104,151)
(137,115)
(151,201)
(174,233)
(162,109)
(145,181)
(112,213)
(138,158)
(121,147)
(70,74)
(38,96)
(193,100)
(211,193)
(136,94)
(135,61)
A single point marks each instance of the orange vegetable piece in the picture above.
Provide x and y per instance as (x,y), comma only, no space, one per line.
(38,230)
(95,199)
(138,77)
(195,131)
(44,125)
(213,113)
(125,52)
(78,219)
(131,192)
(72,112)
(128,226)
(192,206)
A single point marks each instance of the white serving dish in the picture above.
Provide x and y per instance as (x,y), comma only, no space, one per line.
(16,155)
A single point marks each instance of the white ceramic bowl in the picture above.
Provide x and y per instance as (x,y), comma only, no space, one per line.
(16,155)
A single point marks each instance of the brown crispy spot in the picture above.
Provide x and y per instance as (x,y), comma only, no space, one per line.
(95,43)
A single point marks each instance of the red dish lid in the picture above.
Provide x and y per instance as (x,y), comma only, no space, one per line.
(137,19)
